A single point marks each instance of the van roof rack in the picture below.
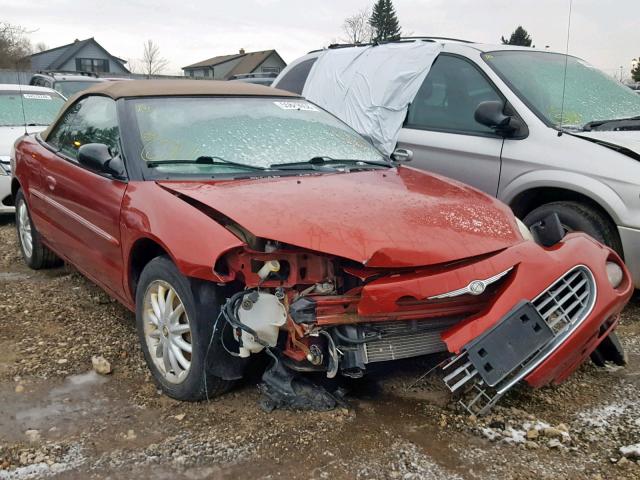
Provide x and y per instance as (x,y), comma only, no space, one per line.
(68,72)
(425,38)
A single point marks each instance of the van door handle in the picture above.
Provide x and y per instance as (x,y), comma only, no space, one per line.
(51,182)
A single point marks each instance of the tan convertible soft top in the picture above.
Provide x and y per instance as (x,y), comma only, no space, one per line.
(152,88)
(158,88)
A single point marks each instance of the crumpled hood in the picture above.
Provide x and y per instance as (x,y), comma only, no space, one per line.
(627,139)
(381,218)
(8,136)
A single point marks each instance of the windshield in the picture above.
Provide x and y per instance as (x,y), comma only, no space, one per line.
(590,95)
(39,108)
(256,132)
(71,87)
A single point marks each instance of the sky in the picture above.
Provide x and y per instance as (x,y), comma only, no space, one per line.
(605,33)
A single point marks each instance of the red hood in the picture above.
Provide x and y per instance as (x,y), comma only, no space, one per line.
(381,218)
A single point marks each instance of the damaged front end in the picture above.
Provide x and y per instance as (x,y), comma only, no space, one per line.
(523,313)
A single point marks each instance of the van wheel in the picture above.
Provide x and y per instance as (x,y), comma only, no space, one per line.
(578,217)
(175,326)
(35,253)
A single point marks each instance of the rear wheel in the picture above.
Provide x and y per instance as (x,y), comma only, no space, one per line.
(35,253)
(175,328)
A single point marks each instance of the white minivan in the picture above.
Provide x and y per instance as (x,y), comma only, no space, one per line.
(490,116)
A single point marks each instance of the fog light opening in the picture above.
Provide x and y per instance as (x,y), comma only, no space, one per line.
(614,274)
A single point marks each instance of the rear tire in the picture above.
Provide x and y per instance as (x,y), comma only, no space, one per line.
(579,217)
(35,253)
(175,327)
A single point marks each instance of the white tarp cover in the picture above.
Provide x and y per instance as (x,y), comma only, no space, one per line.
(370,87)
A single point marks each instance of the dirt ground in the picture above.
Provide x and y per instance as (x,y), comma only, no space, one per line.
(60,419)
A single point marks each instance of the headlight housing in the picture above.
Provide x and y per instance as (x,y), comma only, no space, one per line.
(524,231)
(614,274)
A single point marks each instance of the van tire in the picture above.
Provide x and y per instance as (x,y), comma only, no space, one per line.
(579,217)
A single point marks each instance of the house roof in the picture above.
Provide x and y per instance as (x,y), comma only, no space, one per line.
(249,61)
(71,50)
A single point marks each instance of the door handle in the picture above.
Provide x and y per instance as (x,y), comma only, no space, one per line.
(51,182)
(402,155)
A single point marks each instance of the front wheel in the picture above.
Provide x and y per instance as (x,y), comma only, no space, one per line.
(175,328)
(579,217)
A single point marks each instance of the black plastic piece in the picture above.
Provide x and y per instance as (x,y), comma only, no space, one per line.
(501,350)
(303,310)
(548,231)
(282,388)
(609,350)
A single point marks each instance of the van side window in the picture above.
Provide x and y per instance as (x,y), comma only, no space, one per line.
(449,96)
(91,120)
(295,78)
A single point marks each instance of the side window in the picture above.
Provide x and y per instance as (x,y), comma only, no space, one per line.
(91,120)
(449,96)
(295,78)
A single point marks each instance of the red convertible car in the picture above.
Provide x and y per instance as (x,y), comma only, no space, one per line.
(236,219)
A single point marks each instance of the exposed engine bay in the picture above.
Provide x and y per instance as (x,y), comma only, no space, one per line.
(308,312)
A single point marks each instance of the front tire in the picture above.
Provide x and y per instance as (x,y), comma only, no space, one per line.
(175,328)
(579,217)
(35,253)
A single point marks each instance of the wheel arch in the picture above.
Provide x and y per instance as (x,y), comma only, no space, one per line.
(538,187)
(142,251)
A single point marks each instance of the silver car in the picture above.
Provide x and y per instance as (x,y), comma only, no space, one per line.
(490,116)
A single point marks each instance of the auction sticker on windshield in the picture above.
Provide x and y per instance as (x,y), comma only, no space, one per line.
(297,106)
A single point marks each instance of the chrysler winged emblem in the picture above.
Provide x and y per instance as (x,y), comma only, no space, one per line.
(475,287)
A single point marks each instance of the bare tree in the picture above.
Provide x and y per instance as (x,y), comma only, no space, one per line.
(357,27)
(41,47)
(14,45)
(152,62)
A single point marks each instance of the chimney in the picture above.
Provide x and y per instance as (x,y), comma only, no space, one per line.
(242,51)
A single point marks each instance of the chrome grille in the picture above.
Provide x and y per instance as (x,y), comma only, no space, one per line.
(568,300)
(407,339)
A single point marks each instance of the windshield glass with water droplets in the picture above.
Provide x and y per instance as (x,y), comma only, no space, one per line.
(590,95)
(253,131)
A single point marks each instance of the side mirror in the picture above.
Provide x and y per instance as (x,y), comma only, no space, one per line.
(492,114)
(98,157)
(402,155)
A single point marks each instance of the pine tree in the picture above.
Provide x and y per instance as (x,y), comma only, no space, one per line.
(635,71)
(519,37)
(384,21)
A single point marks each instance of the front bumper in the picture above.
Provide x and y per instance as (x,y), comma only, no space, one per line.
(6,202)
(586,292)
(437,317)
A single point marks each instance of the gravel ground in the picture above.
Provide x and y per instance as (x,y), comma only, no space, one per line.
(60,419)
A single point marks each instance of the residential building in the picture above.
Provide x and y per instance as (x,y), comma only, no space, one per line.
(80,56)
(224,67)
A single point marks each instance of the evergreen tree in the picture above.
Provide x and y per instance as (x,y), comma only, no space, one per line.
(384,21)
(519,37)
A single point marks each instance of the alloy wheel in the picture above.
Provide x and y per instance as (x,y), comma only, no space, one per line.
(24,229)
(167,331)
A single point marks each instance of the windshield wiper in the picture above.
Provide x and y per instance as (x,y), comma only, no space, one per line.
(587,127)
(315,162)
(205,160)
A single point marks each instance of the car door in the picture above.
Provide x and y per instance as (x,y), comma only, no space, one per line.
(83,205)
(441,129)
